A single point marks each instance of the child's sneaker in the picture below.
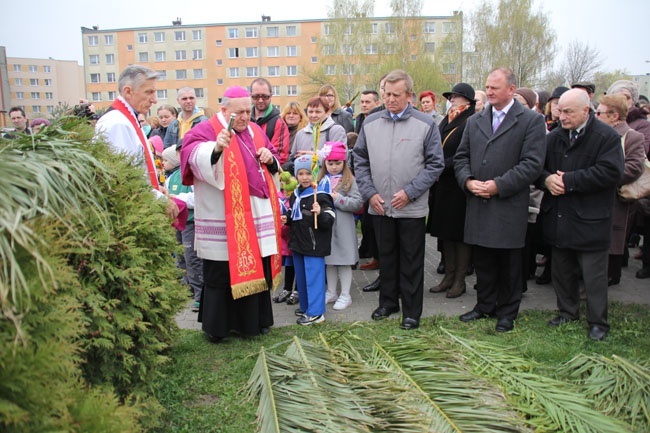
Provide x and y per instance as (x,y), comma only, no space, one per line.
(293,298)
(343,302)
(309,320)
(282,297)
(196,307)
(330,297)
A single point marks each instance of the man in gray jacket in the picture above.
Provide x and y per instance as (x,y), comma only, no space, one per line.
(501,153)
(397,158)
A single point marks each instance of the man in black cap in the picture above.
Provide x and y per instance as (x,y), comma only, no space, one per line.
(555,112)
(590,88)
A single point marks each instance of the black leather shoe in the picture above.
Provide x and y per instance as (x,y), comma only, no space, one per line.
(597,333)
(372,287)
(409,324)
(383,312)
(544,278)
(643,273)
(264,330)
(613,281)
(560,320)
(298,312)
(441,267)
(471,316)
(504,325)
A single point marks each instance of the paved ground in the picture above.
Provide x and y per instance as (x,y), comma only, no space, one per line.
(630,290)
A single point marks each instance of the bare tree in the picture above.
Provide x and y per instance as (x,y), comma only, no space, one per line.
(580,62)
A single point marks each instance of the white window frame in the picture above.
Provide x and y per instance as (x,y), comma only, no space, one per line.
(95,78)
(273,51)
(273,71)
(143,56)
(233,33)
(110,59)
(197,35)
(250,32)
(291,31)
(233,72)
(252,52)
(143,38)
(180,55)
(159,36)
(108,40)
(292,90)
(292,51)
(179,35)
(292,70)
(93,40)
(93,59)
(160,56)
(252,71)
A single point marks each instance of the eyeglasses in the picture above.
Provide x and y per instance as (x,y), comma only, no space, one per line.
(600,113)
(262,97)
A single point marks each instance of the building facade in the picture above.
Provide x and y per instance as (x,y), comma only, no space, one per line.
(41,86)
(212,57)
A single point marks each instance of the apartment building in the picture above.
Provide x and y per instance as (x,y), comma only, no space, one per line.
(212,57)
(39,86)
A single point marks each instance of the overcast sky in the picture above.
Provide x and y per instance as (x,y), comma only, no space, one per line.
(46,28)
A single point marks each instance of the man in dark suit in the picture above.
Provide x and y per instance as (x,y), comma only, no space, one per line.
(584,163)
(501,153)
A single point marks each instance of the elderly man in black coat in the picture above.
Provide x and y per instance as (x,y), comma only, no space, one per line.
(500,155)
(584,163)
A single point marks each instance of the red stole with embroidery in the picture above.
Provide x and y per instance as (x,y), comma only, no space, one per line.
(244,255)
(148,157)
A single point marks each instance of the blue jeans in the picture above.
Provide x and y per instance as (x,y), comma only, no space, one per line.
(310,278)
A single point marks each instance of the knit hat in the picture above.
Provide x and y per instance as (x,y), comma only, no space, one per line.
(303,161)
(157,143)
(528,94)
(236,92)
(171,156)
(334,151)
(619,85)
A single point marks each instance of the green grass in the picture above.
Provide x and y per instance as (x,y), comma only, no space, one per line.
(205,383)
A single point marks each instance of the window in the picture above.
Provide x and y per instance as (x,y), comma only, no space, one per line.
(18,81)
(162,75)
(49,95)
(430,47)
(94,78)
(429,27)
(274,71)
(16,68)
(272,51)
(330,69)
(197,54)
(33,81)
(159,56)
(313,39)
(449,68)
(292,51)
(328,30)
(94,59)
(36,108)
(47,69)
(449,47)
(33,68)
(346,49)
(374,28)
(161,94)
(108,39)
(129,47)
(347,69)
(159,36)
(251,51)
(110,77)
(144,57)
(20,95)
(347,30)
(198,74)
(371,49)
(275,90)
(96,96)
(181,74)
(233,33)
(199,92)
(292,71)
(233,72)
(179,35)
(389,28)
(389,49)
(219,42)
(142,38)
(181,55)
(292,90)
(329,50)
(110,59)
(36,95)
(233,53)
(112,95)
(449,27)
(251,32)
(93,41)
(292,31)
(50,109)
(251,71)
(197,35)
(314,59)
(219,62)
(220,81)
(272,32)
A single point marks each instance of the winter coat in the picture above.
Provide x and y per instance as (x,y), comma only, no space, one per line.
(280,138)
(581,219)
(343,118)
(638,120)
(513,157)
(304,238)
(329,131)
(345,250)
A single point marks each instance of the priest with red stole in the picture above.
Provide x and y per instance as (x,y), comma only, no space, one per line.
(229,160)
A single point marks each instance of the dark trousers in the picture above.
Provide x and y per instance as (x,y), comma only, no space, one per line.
(565,272)
(401,243)
(368,247)
(499,281)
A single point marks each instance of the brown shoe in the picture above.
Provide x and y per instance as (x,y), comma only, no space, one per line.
(457,289)
(370,266)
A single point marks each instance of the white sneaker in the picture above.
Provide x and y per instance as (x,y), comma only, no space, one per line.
(343,302)
(310,320)
(330,297)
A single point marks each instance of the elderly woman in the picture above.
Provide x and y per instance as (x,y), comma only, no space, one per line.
(636,117)
(428,105)
(613,110)
(334,109)
(481,100)
(447,217)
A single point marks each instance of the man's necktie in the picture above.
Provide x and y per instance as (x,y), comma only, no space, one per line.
(498,116)
(574,137)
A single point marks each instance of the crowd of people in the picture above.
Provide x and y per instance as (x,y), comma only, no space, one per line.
(264,199)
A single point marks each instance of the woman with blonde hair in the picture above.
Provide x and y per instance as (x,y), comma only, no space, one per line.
(334,109)
(295,118)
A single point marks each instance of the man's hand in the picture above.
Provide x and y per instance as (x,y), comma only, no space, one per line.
(377,204)
(555,184)
(400,199)
(264,155)
(172,210)
(482,189)
(223,141)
